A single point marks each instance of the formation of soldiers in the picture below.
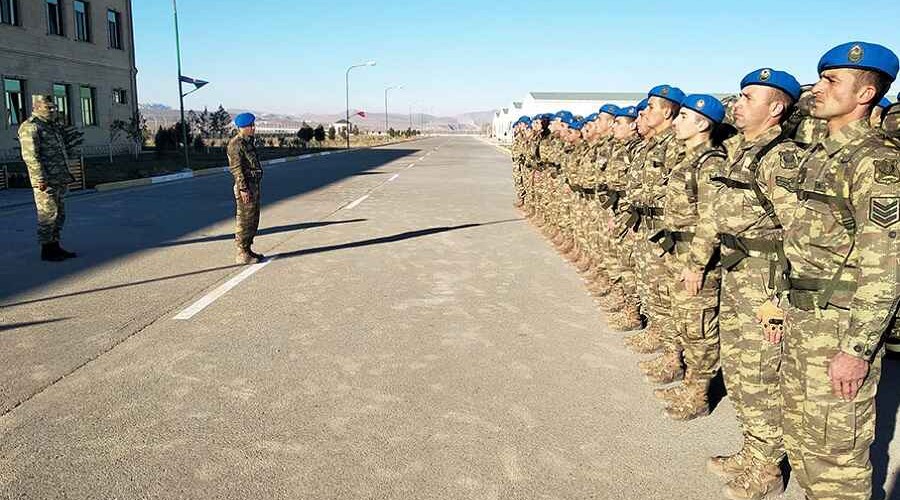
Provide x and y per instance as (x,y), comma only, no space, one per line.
(46,156)
(756,235)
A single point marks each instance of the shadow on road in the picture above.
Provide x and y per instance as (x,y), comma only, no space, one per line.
(262,232)
(13,326)
(887,403)
(390,239)
(110,227)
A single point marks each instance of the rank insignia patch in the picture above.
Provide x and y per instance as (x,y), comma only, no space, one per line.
(887,171)
(884,211)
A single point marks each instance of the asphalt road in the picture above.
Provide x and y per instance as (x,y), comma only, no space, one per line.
(413,337)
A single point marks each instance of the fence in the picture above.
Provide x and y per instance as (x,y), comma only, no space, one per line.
(4,182)
(76,168)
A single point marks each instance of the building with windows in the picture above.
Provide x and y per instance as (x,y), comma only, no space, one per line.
(81,52)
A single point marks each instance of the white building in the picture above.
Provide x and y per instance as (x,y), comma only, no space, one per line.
(579,103)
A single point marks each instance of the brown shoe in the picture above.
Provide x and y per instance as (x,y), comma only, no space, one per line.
(244,257)
(626,320)
(688,401)
(730,466)
(584,263)
(664,369)
(612,301)
(756,483)
(648,341)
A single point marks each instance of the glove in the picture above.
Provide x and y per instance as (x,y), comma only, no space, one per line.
(772,319)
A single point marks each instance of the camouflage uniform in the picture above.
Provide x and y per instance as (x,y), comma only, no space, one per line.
(843,251)
(598,243)
(247,172)
(695,319)
(587,180)
(518,160)
(752,261)
(44,153)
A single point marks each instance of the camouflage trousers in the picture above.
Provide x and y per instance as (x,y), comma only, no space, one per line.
(751,364)
(654,283)
(695,319)
(247,219)
(567,208)
(610,246)
(581,221)
(519,172)
(622,265)
(826,438)
(51,212)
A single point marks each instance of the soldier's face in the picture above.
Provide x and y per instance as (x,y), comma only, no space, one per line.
(45,108)
(752,108)
(835,94)
(641,121)
(656,112)
(603,124)
(623,128)
(686,124)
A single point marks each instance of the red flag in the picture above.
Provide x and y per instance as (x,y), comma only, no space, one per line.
(361,113)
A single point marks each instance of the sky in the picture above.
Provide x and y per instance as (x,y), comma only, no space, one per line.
(458,56)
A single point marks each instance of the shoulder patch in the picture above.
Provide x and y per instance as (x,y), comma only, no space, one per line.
(887,171)
(884,211)
(789,160)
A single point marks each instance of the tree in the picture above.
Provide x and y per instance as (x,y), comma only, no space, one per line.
(332,133)
(134,129)
(306,133)
(319,133)
(219,122)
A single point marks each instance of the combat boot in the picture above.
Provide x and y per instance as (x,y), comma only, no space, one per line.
(49,253)
(730,466)
(759,481)
(612,301)
(258,256)
(647,341)
(584,263)
(626,320)
(688,401)
(244,257)
(664,369)
(65,253)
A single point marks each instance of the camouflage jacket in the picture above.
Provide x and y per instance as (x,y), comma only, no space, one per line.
(689,188)
(243,162)
(846,223)
(663,152)
(587,172)
(571,162)
(618,171)
(44,152)
(734,208)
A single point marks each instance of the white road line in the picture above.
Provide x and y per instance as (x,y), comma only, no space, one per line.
(394,177)
(356,202)
(214,295)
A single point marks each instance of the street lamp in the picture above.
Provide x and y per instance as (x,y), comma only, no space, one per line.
(197,83)
(398,87)
(347,82)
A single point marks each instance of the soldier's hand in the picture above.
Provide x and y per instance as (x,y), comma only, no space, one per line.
(246,197)
(771,317)
(847,374)
(693,281)
(611,225)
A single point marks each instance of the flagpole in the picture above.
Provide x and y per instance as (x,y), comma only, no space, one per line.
(184,134)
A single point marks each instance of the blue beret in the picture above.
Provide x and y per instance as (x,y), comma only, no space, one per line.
(576,124)
(861,55)
(628,112)
(780,80)
(610,109)
(884,102)
(643,104)
(244,120)
(667,92)
(563,115)
(547,116)
(591,117)
(706,105)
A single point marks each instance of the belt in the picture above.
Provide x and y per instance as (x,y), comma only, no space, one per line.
(613,200)
(668,239)
(806,293)
(747,247)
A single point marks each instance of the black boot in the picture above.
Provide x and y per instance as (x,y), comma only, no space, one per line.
(65,253)
(49,253)
(260,257)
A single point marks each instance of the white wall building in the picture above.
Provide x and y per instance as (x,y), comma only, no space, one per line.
(579,103)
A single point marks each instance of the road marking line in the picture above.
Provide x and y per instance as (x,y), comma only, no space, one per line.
(356,202)
(214,295)
(394,177)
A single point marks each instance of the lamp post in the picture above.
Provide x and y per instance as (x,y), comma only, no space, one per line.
(347,87)
(398,87)
(181,94)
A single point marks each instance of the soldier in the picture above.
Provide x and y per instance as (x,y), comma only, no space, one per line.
(585,193)
(878,111)
(694,316)
(745,213)
(247,172)
(620,260)
(44,153)
(600,284)
(520,132)
(843,251)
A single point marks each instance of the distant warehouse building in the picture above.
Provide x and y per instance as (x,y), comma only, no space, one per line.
(82,52)
(579,103)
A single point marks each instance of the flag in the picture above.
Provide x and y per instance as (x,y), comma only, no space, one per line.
(361,113)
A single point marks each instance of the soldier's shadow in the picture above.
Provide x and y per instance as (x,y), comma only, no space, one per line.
(886,403)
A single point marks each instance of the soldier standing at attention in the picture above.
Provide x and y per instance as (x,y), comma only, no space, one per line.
(247,172)
(44,153)
(843,251)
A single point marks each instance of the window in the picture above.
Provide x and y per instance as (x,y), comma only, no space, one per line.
(55,17)
(114,29)
(119,96)
(15,101)
(61,98)
(82,21)
(88,114)
(8,13)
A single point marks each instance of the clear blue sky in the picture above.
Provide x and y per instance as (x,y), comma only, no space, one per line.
(467,55)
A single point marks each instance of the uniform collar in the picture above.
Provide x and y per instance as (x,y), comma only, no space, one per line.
(850,132)
(740,142)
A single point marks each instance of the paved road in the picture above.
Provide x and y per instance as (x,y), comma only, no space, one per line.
(413,338)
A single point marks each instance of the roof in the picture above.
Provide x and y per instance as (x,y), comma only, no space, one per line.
(587,96)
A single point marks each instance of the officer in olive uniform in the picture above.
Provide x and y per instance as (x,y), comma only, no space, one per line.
(44,153)
(247,172)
